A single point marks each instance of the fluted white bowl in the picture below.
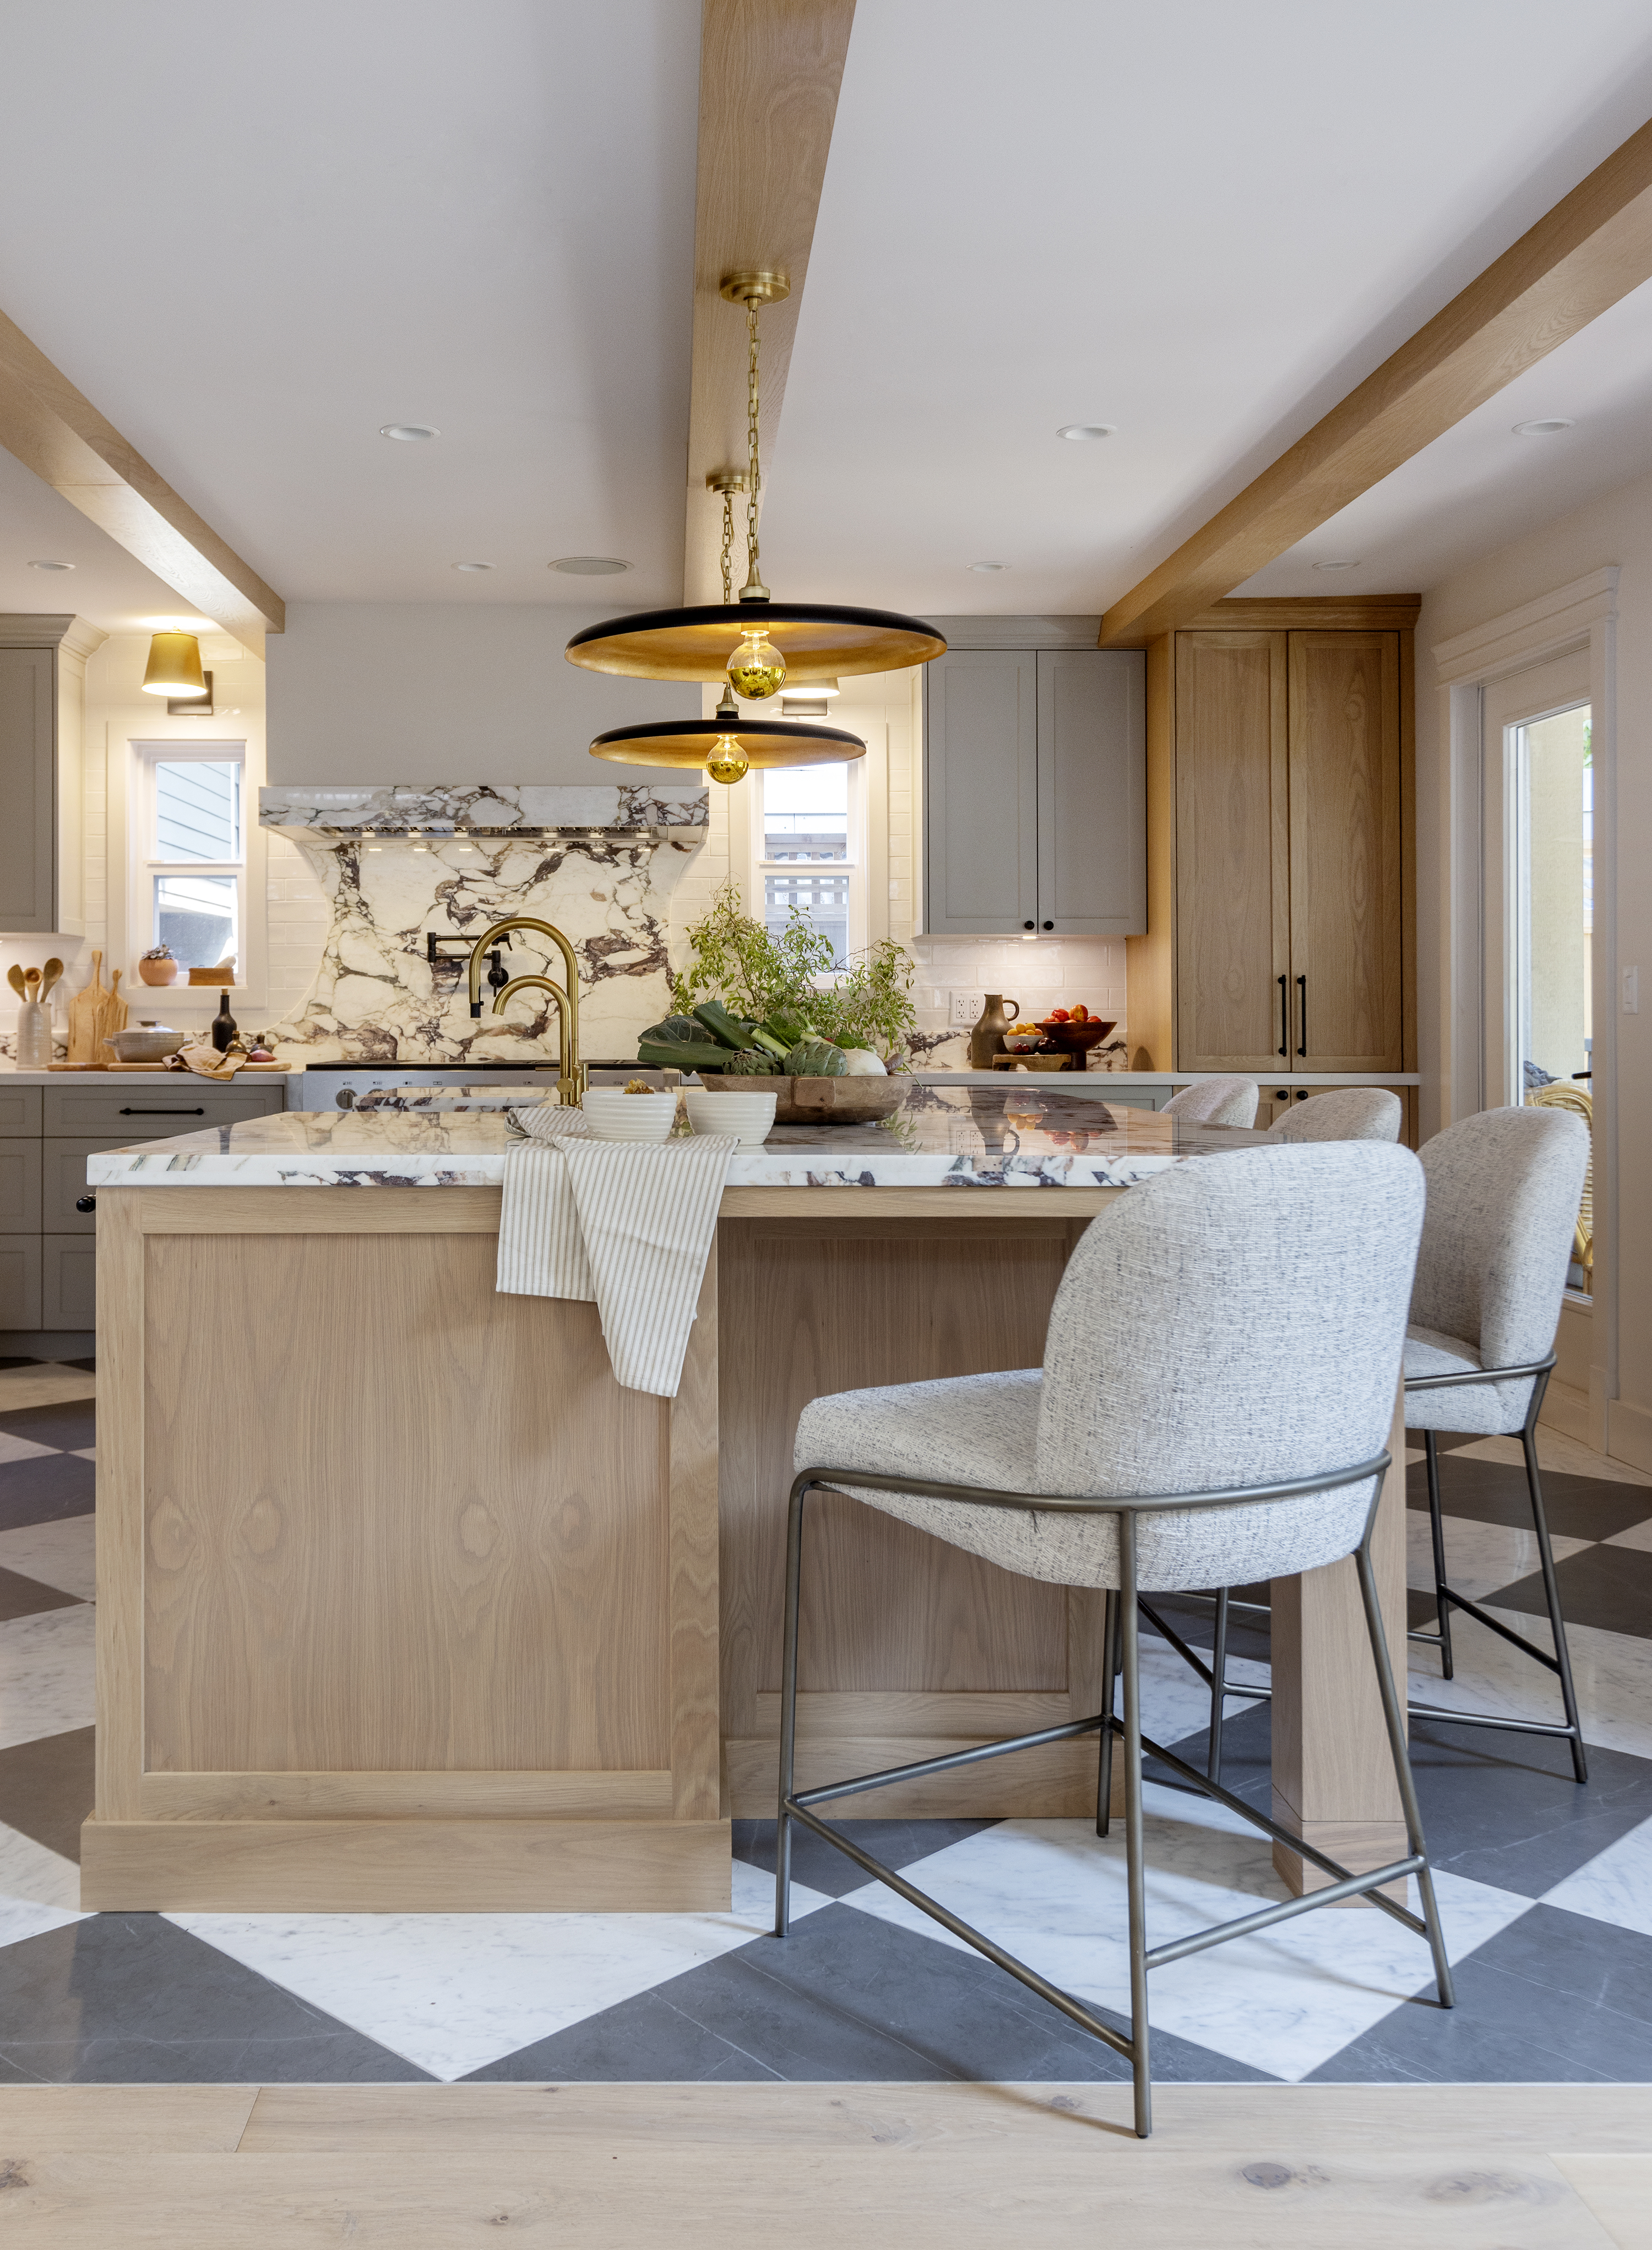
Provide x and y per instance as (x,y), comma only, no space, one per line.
(613,1114)
(751,1116)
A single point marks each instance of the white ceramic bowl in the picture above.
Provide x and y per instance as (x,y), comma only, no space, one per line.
(613,1114)
(749,1115)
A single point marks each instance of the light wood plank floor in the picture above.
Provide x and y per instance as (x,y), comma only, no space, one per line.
(427,2168)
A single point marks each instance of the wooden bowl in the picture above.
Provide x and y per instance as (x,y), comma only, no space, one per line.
(817,1100)
(1077,1038)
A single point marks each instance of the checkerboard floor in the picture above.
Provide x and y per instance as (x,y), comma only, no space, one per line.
(1545,1887)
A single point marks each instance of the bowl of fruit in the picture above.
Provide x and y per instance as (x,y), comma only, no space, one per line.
(1073,1030)
(1023,1038)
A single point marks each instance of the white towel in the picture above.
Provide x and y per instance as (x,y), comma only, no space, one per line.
(626,1225)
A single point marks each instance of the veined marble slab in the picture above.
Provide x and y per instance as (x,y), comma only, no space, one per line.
(963,1140)
(477,808)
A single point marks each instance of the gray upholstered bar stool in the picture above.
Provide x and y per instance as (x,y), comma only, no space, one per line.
(1215,1101)
(1171,1440)
(1350,1112)
(1503,1191)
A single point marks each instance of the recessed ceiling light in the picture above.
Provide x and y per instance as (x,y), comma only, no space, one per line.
(1080,432)
(590,566)
(52,566)
(473,566)
(1542,429)
(409,433)
(1336,566)
(988,566)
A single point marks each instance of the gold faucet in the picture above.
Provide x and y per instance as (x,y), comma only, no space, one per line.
(570,1081)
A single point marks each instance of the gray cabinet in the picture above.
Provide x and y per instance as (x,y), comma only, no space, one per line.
(1035,815)
(41,721)
(19,1187)
(68,1280)
(19,1281)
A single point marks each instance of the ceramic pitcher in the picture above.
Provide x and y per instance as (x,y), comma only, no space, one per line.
(987,1038)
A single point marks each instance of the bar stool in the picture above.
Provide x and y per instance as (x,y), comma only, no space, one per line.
(1170,1441)
(1215,1101)
(1351,1113)
(1503,1191)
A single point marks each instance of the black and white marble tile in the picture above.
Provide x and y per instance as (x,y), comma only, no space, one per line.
(477,808)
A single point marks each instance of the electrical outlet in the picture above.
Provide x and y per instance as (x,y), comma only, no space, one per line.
(966,1010)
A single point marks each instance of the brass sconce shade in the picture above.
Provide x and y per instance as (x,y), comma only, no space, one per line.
(174,665)
(726,745)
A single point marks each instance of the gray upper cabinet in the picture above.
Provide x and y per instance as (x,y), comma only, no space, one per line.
(1035,792)
(41,719)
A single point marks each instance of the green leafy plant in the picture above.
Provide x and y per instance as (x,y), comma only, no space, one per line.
(778,976)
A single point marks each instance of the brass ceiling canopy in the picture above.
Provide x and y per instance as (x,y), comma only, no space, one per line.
(756,644)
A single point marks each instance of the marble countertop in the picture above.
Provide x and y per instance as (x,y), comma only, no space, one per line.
(964,1137)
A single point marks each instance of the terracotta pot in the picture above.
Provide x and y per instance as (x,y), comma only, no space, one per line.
(158,972)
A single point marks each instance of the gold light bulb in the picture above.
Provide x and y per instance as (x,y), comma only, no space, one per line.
(757,668)
(727,761)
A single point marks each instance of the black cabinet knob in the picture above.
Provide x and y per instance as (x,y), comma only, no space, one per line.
(86,1203)
(1049,925)
(1026,925)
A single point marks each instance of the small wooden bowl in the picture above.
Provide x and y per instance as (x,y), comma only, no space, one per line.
(1077,1038)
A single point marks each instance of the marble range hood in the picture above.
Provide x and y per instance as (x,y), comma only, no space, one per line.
(399,861)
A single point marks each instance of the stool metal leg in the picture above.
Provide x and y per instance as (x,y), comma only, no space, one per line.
(1551,1593)
(1442,1607)
(1219,1680)
(788,1717)
(1396,1725)
(1135,1863)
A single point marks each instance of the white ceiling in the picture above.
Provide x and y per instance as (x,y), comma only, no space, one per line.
(252,236)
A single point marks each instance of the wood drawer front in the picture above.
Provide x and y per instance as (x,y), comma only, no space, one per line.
(63,1181)
(154,1113)
(20,1109)
(19,1187)
(68,1280)
(20,1282)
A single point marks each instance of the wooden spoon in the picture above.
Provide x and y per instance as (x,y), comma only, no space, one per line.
(50,975)
(14,978)
(31,978)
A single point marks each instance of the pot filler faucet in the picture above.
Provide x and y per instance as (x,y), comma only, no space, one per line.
(570,1076)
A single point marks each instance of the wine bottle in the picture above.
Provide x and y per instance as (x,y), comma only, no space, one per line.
(223,1024)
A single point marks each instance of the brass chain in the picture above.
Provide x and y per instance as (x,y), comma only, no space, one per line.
(728,545)
(751,443)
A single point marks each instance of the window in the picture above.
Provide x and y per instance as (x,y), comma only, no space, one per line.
(191,888)
(810,854)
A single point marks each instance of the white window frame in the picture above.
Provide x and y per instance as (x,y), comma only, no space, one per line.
(854,865)
(144,862)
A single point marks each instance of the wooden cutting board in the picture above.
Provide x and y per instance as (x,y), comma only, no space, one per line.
(85,1019)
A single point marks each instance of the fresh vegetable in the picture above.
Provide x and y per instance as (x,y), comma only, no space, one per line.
(683,1054)
(861,1062)
(675,1029)
(751,1062)
(816,1058)
(729,1031)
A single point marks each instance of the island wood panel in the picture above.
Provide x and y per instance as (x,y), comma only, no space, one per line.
(1233,924)
(908,1648)
(378,1543)
(1346,885)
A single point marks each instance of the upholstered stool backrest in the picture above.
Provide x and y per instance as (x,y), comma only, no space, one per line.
(1350,1112)
(1503,1188)
(1215,1101)
(1237,1319)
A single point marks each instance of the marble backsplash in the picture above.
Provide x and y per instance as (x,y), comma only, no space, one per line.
(455,861)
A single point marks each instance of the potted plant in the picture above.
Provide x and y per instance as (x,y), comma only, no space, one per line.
(758,973)
(157,966)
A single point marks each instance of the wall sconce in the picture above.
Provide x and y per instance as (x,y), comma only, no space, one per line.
(173,668)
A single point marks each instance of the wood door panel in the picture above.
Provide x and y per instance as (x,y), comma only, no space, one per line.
(1231,918)
(1345,876)
(811,1308)
(321,1524)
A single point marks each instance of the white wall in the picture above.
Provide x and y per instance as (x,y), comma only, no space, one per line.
(1616,529)
(377,692)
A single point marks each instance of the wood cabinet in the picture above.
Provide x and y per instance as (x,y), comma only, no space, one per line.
(42,708)
(1281,906)
(1035,771)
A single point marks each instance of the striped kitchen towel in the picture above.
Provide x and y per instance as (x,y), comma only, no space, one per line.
(626,1225)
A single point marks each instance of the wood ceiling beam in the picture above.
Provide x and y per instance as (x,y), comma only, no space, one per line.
(769,72)
(1579,260)
(56,431)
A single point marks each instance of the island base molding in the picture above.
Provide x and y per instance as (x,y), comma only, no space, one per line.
(405,1866)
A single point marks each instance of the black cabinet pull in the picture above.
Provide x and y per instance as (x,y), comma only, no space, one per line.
(1026,925)
(86,1203)
(1302,1020)
(164,1113)
(1284,1017)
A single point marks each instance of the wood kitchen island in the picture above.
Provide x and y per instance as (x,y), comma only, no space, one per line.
(406,1605)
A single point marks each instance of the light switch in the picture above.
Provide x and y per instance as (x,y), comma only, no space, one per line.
(1631,991)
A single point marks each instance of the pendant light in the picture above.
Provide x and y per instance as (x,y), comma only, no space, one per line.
(727,746)
(759,644)
(173,667)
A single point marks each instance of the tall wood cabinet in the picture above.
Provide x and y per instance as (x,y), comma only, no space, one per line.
(1280,843)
